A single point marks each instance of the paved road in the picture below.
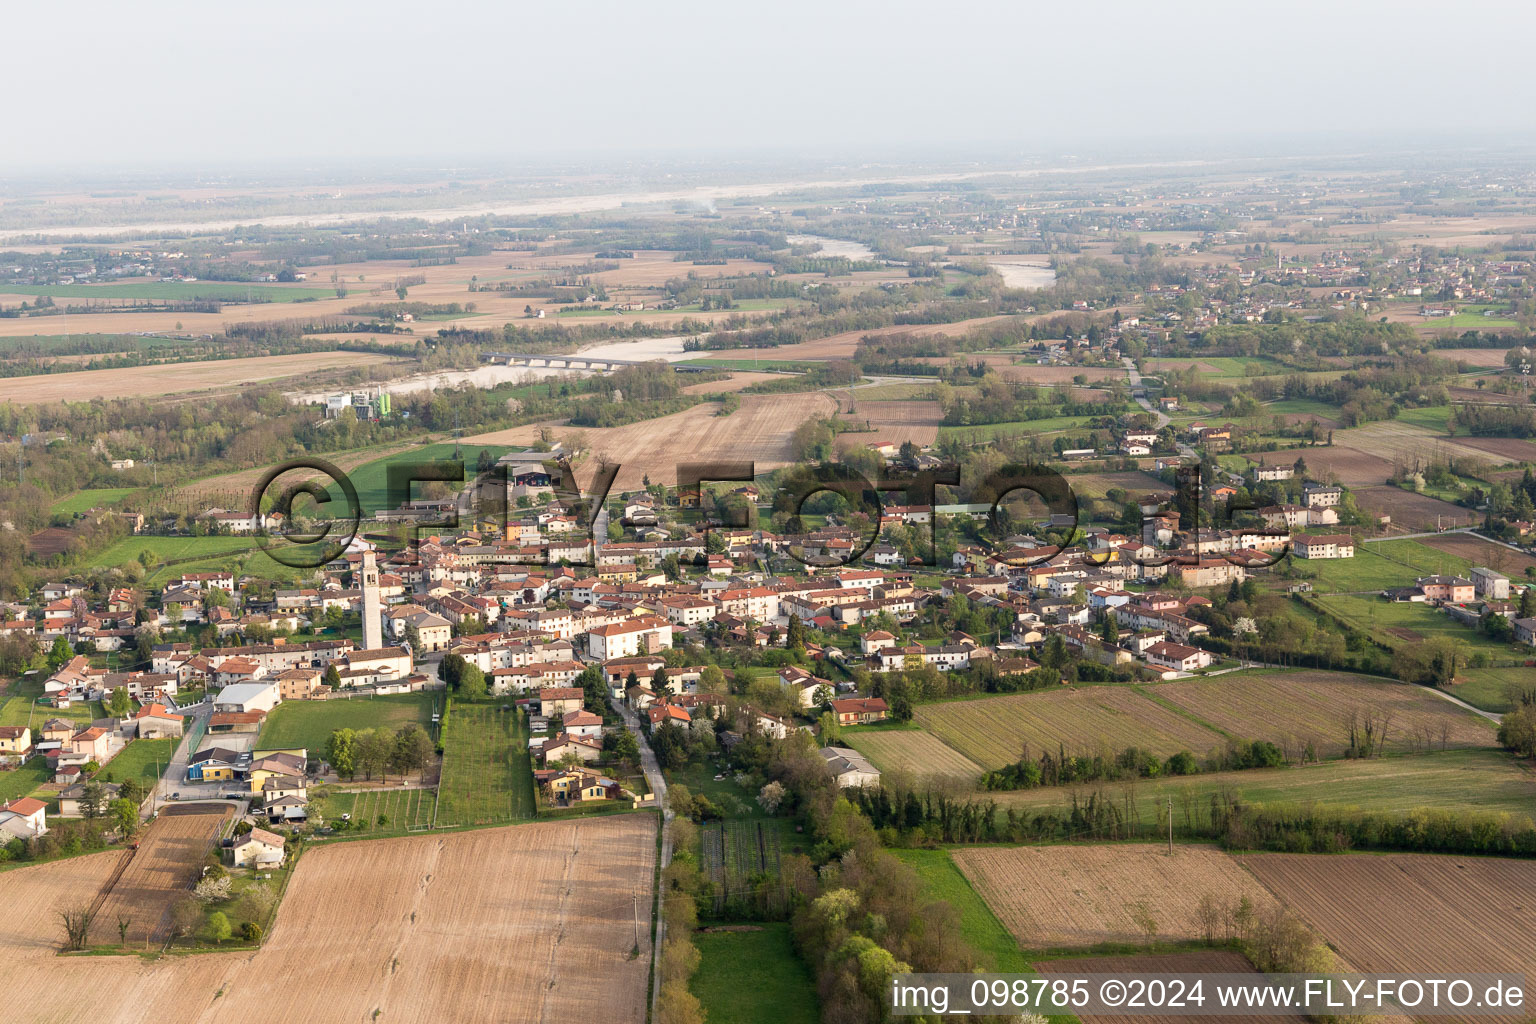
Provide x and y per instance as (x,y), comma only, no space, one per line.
(653,778)
(1495,718)
(1162,419)
(175,774)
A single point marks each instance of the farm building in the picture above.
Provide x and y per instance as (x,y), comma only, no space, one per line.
(258,848)
(849,767)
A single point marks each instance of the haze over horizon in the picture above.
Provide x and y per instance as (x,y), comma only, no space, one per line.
(614,82)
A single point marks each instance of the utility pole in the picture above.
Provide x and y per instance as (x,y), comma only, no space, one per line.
(1169,798)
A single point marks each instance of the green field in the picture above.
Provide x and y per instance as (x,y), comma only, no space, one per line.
(177,555)
(1484,687)
(1376,566)
(371,478)
(309,723)
(402,809)
(487,771)
(173,291)
(20,711)
(84,501)
(1431,417)
(754,977)
(996,947)
(1394,624)
(1225,366)
(1488,780)
(143,760)
(1295,406)
(1475,322)
(1024,428)
(22,781)
(796,365)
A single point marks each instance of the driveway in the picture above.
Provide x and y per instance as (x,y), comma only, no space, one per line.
(653,778)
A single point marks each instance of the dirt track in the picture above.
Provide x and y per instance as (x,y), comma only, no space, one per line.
(172,378)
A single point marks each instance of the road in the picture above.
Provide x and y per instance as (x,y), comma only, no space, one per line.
(1491,716)
(653,778)
(175,774)
(1162,419)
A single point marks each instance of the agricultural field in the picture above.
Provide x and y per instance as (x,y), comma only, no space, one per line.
(309,723)
(893,422)
(371,479)
(735,852)
(169,859)
(401,809)
(1410,511)
(1213,961)
(549,935)
(487,773)
(1484,780)
(171,291)
(759,431)
(1053,897)
(170,550)
(91,497)
(996,948)
(1381,564)
(1318,706)
(994,731)
(1488,688)
(173,378)
(1410,913)
(912,750)
(1218,366)
(1022,428)
(751,974)
(1395,624)
(1475,550)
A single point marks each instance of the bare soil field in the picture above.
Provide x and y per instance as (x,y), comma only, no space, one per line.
(1490,357)
(841,346)
(1407,444)
(1317,706)
(1215,961)
(759,431)
(1511,449)
(172,378)
(894,422)
(547,935)
(1351,466)
(914,751)
(1411,913)
(993,731)
(1482,397)
(1031,372)
(29,928)
(1409,510)
(1071,896)
(1480,551)
(735,382)
(165,866)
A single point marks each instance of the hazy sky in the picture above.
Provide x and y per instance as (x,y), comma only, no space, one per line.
(100,86)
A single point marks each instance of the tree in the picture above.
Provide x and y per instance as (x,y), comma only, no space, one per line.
(1109,629)
(133,791)
(1517,731)
(119,704)
(341,752)
(250,931)
(122,929)
(472,682)
(126,816)
(92,796)
(626,748)
(59,653)
(771,797)
(218,926)
(826,728)
(374,750)
(451,669)
(413,749)
(332,677)
(185,915)
(76,919)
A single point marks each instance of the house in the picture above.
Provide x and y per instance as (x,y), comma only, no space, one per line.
(24,818)
(558,701)
(661,714)
(69,799)
(582,723)
(643,634)
(258,848)
(247,697)
(1315,495)
(849,767)
(155,720)
(1327,545)
(859,710)
(214,764)
(15,741)
(1177,656)
(1525,631)
(576,786)
(1270,474)
(563,745)
(1208,572)
(1446,588)
(299,683)
(95,744)
(1490,585)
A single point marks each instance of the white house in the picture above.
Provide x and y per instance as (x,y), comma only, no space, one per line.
(249,697)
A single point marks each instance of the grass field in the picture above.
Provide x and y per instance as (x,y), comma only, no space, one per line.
(754,977)
(20,711)
(1484,687)
(371,478)
(22,781)
(172,549)
(1487,780)
(401,809)
(222,291)
(943,880)
(1393,563)
(1395,624)
(1430,417)
(1024,428)
(309,723)
(140,759)
(91,497)
(487,772)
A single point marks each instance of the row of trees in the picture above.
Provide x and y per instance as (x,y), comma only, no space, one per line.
(378,751)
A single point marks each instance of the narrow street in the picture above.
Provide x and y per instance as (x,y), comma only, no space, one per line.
(1134,375)
(653,778)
